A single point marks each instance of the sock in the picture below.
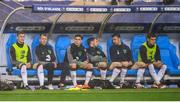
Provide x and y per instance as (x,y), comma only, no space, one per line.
(114,74)
(73,76)
(40,75)
(123,74)
(153,73)
(140,74)
(103,74)
(88,77)
(24,75)
(162,72)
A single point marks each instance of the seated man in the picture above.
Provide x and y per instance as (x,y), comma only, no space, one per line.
(21,58)
(120,55)
(77,58)
(150,55)
(97,57)
(46,57)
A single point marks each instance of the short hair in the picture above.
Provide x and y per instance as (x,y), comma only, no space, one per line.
(43,34)
(90,40)
(78,35)
(116,35)
(149,35)
(20,32)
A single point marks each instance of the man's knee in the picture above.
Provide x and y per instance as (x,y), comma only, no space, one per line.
(89,66)
(102,65)
(158,64)
(73,66)
(138,65)
(115,65)
(125,64)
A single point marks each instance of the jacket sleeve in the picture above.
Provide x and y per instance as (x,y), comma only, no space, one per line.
(29,59)
(129,54)
(53,57)
(113,55)
(70,57)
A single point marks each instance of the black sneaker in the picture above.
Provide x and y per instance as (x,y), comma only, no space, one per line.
(27,87)
(113,85)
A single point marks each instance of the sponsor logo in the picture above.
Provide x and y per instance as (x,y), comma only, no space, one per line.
(30,28)
(79,28)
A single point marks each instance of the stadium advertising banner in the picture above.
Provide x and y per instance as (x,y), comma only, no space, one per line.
(105,9)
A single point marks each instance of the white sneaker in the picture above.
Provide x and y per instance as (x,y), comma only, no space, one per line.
(50,87)
(154,85)
(160,86)
(138,86)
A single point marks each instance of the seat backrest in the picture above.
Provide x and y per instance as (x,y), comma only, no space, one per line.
(109,44)
(11,40)
(179,46)
(62,43)
(34,44)
(137,41)
(168,51)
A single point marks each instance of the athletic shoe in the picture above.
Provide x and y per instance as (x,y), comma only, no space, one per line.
(50,87)
(86,87)
(154,85)
(138,86)
(79,86)
(161,86)
(42,87)
(27,87)
(114,86)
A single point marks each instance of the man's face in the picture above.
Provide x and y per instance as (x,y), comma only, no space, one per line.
(92,44)
(77,41)
(20,38)
(96,42)
(152,40)
(43,40)
(116,40)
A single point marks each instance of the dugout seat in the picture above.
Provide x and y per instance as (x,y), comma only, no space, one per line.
(168,55)
(13,70)
(137,41)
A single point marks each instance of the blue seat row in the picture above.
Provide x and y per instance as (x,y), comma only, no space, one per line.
(168,54)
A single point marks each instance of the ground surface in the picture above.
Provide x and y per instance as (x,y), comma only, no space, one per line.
(93,94)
